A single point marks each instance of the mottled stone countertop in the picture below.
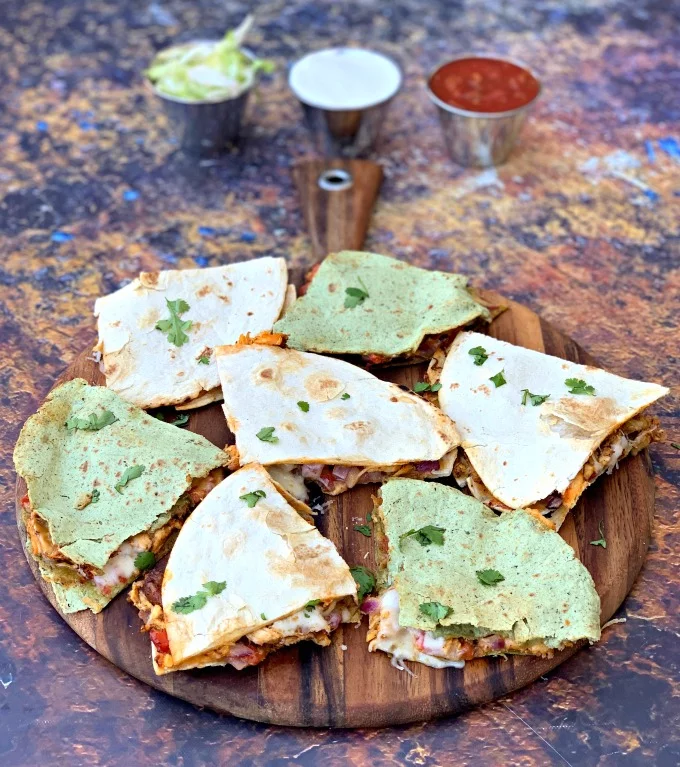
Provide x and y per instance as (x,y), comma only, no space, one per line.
(581,225)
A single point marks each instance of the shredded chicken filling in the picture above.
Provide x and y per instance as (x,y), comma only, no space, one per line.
(632,437)
(435,648)
(120,567)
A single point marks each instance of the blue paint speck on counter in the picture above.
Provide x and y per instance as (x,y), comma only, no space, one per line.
(651,194)
(670,146)
(42,126)
(130,195)
(61,236)
(86,125)
(169,258)
(202,260)
(248,237)
(649,148)
(206,231)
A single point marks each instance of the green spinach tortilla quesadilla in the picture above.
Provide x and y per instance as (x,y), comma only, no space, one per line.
(383,309)
(108,488)
(157,334)
(247,575)
(538,430)
(306,416)
(461,582)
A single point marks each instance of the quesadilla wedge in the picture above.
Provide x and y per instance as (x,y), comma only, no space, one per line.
(325,420)
(157,334)
(108,488)
(541,433)
(460,582)
(247,576)
(382,309)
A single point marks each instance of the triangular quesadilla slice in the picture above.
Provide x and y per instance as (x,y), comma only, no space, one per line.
(157,334)
(108,488)
(247,575)
(382,309)
(538,430)
(329,421)
(461,582)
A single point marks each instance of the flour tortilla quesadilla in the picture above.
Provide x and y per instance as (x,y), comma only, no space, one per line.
(157,334)
(539,439)
(247,575)
(461,582)
(108,488)
(329,421)
(383,309)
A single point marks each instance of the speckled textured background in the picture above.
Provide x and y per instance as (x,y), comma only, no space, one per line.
(581,225)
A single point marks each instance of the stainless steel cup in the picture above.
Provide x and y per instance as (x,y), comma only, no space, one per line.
(346,132)
(480,139)
(205,127)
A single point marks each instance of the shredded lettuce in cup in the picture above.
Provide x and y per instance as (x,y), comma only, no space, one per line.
(207,71)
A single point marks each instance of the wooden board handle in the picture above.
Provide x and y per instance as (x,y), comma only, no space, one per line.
(337,199)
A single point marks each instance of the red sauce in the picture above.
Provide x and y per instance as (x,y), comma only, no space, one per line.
(484,85)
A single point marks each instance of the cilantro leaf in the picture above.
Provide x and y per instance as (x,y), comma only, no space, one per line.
(266,434)
(132,472)
(498,379)
(355,296)
(675,445)
(215,587)
(304,406)
(422,386)
(175,326)
(535,399)
(252,498)
(480,355)
(204,359)
(601,542)
(489,577)
(186,605)
(144,560)
(93,422)
(435,610)
(579,386)
(364,579)
(363,529)
(181,420)
(344,396)
(430,534)
(263,616)
(95,495)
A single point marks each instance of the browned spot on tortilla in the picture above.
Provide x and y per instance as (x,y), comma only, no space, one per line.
(482,389)
(249,314)
(148,279)
(204,291)
(115,324)
(232,543)
(362,427)
(322,387)
(454,386)
(83,467)
(581,416)
(288,426)
(394,399)
(267,373)
(226,299)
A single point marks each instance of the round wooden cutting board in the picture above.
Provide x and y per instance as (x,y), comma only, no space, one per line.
(344,685)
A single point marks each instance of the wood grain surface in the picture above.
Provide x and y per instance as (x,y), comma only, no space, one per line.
(337,219)
(306,685)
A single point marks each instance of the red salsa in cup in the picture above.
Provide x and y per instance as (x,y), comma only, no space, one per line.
(482,84)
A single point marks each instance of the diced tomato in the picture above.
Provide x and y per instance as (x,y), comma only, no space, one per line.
(376,359)
(308,279)
(160,640)
(327,480)
(25,503)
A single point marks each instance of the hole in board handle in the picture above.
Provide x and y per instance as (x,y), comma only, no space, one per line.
(335,180)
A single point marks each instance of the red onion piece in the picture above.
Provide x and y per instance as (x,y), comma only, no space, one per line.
(427,467)
(371,476)
(312,470)
(370,605)
(341,472)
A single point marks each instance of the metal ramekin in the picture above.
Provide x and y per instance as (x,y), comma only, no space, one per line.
(205,127)
(480,139)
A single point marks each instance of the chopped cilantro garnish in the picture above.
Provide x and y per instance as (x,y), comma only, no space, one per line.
(435,610)
(430,534)
(144,560)
(579,386)
(304,406)
(535,399)
(263,616)
(489,577)
(363,529)
(95,495)
(355,296)
(181,420)
(480,355)
(498,379)
(204,360)
(675,445)
(93,422)
(175,326)
(310,606)
(344,396)
(364,579)
(186,605)
(252,498)
(132,472)
(266,434)
(601,542)
(422,386)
